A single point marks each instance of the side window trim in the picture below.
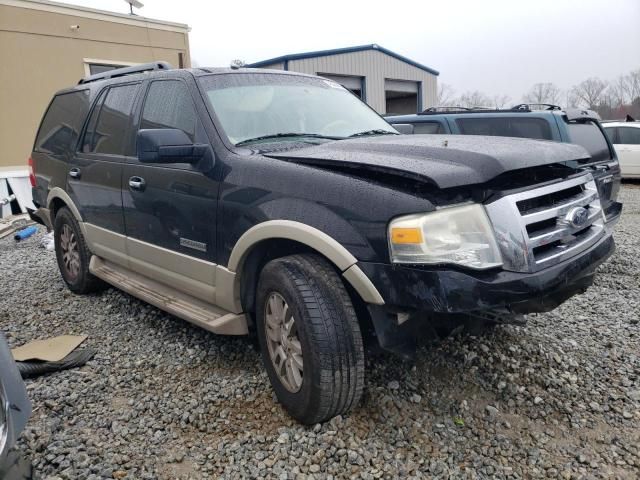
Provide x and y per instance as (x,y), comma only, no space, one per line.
(97,104)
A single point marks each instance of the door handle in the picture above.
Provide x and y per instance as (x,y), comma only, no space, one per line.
(137,183)
(74,172)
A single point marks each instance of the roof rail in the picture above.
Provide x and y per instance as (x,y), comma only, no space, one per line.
(121,72)
(445,108)
(527,106)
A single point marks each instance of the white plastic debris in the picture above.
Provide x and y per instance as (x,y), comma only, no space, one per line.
(47,241)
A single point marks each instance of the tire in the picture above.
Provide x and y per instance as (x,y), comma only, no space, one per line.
(327,332)
(73,255)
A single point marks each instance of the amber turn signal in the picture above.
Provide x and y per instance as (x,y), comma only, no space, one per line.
(406,235)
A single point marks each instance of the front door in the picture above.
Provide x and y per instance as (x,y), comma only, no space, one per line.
(170,209)
(628,150)
(95,174)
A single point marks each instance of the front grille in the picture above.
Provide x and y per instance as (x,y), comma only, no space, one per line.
(547,225)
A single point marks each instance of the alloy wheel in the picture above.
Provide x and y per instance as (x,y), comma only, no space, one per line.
(285,349)
(70,252)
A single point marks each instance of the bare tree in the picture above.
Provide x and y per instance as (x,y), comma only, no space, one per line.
(619,91)
(589,93)
(445,94)
(474,99)
(633,85)
(543,93)
(500,101)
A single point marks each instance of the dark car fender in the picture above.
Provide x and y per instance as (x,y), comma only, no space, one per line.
(17,410)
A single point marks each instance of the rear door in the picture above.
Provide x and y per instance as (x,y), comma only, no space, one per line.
(170,209)
(627,146)
(95,173)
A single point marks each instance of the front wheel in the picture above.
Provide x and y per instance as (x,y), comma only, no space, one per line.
(309,337)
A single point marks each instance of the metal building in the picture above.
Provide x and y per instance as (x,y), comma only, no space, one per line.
(389,82)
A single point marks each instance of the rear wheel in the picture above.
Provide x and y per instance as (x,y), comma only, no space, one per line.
(309,337)
(72,254)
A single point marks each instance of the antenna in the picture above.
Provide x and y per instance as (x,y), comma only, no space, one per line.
(134,3)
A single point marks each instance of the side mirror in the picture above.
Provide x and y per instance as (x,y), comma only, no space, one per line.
(404,128)
(168,145)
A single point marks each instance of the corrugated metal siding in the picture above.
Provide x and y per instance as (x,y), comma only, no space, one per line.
(376,67)
(275,66)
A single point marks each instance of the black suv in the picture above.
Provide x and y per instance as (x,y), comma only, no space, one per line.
(537,121)
(269,202)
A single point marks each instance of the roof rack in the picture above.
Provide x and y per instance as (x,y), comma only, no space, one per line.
(121,72)
(520,108)
(445,108)
(527,106)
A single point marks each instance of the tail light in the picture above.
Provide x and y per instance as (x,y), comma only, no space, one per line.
(32,176)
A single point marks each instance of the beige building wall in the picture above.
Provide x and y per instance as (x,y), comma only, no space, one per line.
(46,46)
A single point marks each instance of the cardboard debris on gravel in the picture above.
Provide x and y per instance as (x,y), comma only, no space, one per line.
(48,350)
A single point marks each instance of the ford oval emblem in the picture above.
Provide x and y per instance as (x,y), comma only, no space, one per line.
(577,217)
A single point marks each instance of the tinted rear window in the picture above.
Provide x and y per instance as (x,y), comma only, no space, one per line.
(506,127)
(62,123)
(589,136)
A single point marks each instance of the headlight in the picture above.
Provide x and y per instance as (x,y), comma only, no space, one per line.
(460,235)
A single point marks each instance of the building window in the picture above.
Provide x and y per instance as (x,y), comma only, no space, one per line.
(95,68)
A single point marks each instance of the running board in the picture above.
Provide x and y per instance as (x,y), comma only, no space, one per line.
(166,298)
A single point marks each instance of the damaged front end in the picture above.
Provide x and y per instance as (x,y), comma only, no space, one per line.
(551,239)
(15,409)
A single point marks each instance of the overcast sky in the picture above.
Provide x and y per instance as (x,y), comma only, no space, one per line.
(496,46)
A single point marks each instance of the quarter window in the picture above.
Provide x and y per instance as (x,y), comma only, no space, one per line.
(629,136)
(427,127)
(169,105)
(61,124)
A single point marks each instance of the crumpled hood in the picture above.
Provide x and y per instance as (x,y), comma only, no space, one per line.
(444,160)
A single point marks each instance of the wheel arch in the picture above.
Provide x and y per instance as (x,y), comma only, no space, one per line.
(277,238)
(57,199)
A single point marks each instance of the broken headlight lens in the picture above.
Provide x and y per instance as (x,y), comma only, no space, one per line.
(460,235)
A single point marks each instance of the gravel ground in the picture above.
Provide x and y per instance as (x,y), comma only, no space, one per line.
(559,398)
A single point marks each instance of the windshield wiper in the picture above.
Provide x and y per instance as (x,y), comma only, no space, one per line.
(282,135)
(376,131)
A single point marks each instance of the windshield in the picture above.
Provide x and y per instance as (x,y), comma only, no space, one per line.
(257,105)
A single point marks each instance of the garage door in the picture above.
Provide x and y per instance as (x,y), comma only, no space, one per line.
(354,84)
(401,86)
(401,97)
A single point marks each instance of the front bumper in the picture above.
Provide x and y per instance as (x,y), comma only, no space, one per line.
(453,291)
